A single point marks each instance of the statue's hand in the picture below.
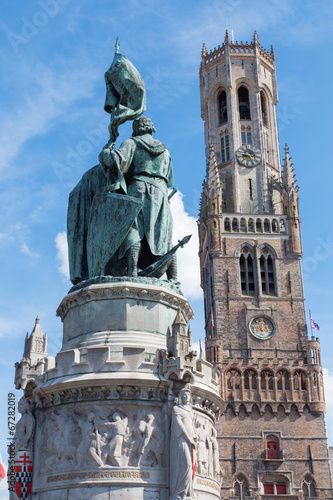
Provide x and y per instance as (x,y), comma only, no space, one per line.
(107,159)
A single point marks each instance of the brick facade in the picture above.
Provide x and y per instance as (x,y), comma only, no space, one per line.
(272,433)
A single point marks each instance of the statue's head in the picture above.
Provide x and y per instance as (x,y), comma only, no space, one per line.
(185,396)
(23,406)
(91,417)
(143,125)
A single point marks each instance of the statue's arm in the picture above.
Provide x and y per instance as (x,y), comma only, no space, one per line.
(119,159)
(171,181)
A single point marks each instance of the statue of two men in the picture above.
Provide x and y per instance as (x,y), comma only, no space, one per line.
(140,172)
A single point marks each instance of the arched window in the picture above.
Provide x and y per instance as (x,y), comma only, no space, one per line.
(272,447)
(308,488)
(250,380)
(283,380)
(275,484)
(246,265)
(241,487)
(227,226)
(233,380)
(263,103)
(243,227)
(267,274)
(235,224)
(258,226)
(267,380)
(299,381)
(250,226)
(222,105)
(225,146)
(244,104)
(275,226)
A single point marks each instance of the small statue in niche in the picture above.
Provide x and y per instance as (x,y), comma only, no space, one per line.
(182,448)
(202,440)
(25,427)
(113,450)
(215,452)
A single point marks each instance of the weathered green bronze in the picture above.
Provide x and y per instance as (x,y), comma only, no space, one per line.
(119,221)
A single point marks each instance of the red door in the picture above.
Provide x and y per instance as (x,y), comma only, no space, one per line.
(272,451)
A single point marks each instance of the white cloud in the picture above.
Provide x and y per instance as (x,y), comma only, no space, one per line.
(62,254)
(188,260)
(26,251)
(51,94)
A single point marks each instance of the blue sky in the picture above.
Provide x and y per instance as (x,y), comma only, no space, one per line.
(53,57)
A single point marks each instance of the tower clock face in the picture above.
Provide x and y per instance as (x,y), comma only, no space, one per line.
(248,155)
(262,327)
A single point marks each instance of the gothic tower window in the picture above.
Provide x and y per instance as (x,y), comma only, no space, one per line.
(244,104)
(247,272)
(267,380)
(299,381)
(272,447)
(266,147)
(283,381)
(250,380)
(308,488)
(267,274)
(263,103)
(222,106)
(233,380)
(225,146)
(241,488)
(246,135)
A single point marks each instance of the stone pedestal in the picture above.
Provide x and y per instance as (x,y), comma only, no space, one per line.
(103,411)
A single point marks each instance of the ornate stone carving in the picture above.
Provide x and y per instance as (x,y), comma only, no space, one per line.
(25,427)
(113,453)
(90,441)
(148,443)
(182,448)
(59,440)
(203,455)
(108,436)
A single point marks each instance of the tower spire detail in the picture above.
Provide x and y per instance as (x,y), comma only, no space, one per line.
(212,172)
(288,176)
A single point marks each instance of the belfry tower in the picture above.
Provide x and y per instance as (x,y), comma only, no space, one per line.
(272,435)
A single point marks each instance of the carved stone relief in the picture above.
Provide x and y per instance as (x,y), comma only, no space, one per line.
(208,464)
(108,436)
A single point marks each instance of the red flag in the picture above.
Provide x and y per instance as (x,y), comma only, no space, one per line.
(194,461)
(2,469)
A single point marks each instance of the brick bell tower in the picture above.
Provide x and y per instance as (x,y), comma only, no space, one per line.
(272,435)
